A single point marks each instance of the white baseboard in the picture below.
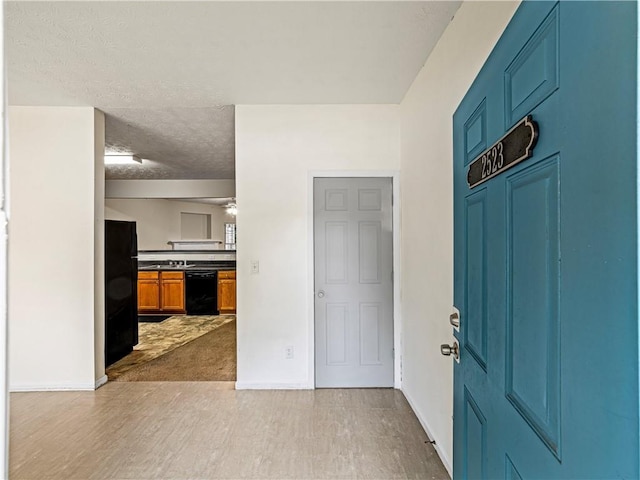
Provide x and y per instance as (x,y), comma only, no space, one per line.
(443,456)
(101,381)
(273,386)
(55,387)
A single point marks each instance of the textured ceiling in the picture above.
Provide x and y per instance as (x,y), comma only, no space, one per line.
(174,143)
(160,70)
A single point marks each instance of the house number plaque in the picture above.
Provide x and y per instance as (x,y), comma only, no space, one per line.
(514,147)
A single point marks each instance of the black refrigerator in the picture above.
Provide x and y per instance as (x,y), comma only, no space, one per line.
(121,289)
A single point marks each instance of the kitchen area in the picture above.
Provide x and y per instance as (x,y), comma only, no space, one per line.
(181,282)
(178,320)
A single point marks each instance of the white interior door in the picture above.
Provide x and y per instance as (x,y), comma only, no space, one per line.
(353,256)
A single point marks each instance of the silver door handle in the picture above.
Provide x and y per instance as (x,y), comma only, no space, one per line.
(454,319)
(321,294)
(448,350)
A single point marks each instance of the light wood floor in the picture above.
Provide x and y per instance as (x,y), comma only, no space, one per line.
(207,430)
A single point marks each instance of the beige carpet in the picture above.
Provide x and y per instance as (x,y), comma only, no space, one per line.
(157,339)
(211,357)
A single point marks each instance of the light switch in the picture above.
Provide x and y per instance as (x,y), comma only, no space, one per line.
(255,267)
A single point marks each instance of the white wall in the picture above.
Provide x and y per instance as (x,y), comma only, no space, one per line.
(158,220)
(170,188)
(276,149)
(53,311)
(4,218)
(98,232)
(427,210)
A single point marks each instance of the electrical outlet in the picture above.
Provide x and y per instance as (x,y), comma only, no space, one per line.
(288,352)
(255,267)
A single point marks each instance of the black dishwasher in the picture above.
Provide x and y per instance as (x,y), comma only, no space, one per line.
(201,292)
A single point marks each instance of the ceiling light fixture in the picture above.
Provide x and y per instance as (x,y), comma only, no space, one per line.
(122,160)
(232,209)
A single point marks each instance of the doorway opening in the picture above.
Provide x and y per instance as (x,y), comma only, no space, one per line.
(184,293)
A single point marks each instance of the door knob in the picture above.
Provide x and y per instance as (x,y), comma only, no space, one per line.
(454,319)
(447,350)
(321,294)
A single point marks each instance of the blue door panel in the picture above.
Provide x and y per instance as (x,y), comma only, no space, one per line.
(475,439)
(532,322)
(476,276)
(475,131)
(533,74)
(511,472)
(545,273)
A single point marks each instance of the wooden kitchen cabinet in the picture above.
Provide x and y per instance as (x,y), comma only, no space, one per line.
(227,291)
(148,292)
(172,292)
(161,292)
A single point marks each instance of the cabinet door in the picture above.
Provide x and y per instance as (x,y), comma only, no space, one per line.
(172,295)
(148,295)
(227,295)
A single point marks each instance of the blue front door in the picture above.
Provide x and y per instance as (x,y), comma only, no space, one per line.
(546,251)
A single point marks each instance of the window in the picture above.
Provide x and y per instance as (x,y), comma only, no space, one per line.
(229,236)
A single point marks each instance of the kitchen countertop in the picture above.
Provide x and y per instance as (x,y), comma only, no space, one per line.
(189,267)
(168,252)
